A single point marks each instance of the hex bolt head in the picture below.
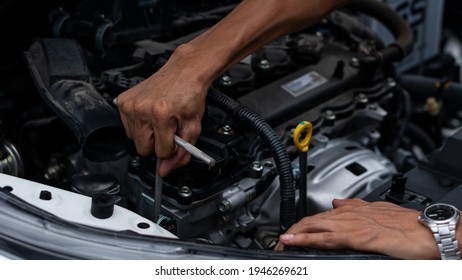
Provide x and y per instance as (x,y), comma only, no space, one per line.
(226,80)
(264,64)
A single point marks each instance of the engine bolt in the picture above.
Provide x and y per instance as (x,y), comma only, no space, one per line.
(329,115)
(391,82)
(329,118)
(185,191)
(355,62)
(362,98)
(264,64)
(52,172)
(135,162)
(320,141)
(225,80)
(224,205)
(226,130)
(257,166)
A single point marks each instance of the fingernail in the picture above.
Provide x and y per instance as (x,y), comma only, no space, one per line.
(287,237)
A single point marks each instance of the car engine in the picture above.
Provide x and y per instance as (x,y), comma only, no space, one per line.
(375,132)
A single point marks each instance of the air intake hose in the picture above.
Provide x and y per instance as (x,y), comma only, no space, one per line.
(59,71)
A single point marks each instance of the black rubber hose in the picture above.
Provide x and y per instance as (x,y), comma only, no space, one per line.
(419,136)
(244,115)
(421,88)
(394,22)
(407,112)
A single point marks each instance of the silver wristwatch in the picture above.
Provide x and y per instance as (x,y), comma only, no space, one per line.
(442,219)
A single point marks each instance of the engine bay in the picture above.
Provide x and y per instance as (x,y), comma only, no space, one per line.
(377,133)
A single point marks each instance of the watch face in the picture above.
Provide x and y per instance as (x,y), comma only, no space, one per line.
(439,212)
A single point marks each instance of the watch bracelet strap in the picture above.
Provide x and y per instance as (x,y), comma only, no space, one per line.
(445,236)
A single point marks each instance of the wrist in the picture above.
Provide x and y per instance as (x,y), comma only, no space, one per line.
(198,63)
(443,221)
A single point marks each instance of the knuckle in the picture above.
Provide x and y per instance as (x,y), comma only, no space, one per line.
(160,113)
(141,109)
(195,128)
(125,106)
(165,153)
(142,151)
(330,239)
(306,222)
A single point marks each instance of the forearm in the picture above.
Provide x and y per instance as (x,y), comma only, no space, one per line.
(251,25)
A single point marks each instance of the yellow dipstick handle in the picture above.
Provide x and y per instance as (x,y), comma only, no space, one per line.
(303,145)
(307,128)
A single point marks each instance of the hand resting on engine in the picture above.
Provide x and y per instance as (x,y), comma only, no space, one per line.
(377,227)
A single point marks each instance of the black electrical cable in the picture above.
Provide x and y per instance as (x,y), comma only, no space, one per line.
(407,112)
(247,117)
(421,137)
